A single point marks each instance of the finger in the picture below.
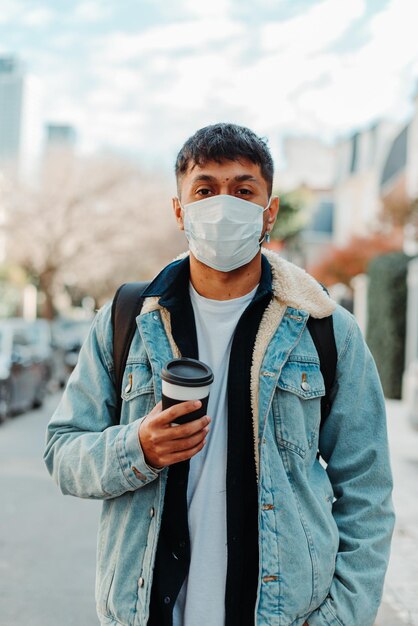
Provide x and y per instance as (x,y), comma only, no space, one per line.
(183,408)
(183,431)
(156,410)
(180,445)
(163,442)
(184,455)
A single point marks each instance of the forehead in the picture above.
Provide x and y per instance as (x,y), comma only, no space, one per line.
(225,170)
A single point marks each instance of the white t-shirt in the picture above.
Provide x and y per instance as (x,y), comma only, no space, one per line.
(201,601)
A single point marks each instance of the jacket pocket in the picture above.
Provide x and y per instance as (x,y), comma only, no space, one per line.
(137,390)
(297,405)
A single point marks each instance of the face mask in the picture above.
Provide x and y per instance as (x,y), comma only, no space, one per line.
(224,231)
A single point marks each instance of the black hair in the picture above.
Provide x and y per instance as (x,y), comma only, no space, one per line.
(224,141)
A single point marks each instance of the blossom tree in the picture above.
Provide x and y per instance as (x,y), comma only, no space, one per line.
(89,222)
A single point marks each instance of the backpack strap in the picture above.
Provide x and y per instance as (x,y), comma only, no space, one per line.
(322,333)
(127,304)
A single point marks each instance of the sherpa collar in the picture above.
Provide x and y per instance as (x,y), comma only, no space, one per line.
(291,285)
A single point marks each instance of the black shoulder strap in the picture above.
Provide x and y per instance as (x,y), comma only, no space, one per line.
(126,305)
(322,332)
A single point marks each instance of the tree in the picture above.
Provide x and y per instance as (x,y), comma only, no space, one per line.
(291,219)
(90,223)
(341,264)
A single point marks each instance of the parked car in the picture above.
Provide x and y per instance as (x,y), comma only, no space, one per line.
(23,374)
(48,352)
(69,335)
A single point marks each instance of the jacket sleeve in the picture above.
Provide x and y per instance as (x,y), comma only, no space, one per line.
(354,445)
(85,453)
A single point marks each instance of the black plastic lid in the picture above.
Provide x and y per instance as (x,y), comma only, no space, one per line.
(187,373)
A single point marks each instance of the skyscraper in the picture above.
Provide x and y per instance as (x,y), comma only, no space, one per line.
(21,129)
(60,136)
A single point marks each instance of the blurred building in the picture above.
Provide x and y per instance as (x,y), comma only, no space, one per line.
(319,230)
(399,180)
(61,136)
(310,163)
(21,131)
(309,175)
(347,184)
(359,163)
(412,154)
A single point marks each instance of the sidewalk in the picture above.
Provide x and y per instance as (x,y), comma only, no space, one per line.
(400,601)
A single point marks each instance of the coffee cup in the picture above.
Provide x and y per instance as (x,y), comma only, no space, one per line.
(186,379)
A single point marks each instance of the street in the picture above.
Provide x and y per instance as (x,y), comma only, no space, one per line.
(401,590)
(47,541)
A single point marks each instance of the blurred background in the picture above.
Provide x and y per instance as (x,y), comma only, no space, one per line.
(96,98)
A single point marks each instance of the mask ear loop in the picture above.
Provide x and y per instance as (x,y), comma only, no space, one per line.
(266,236)
(183,210)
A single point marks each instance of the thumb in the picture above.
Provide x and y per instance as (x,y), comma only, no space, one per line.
(157,409)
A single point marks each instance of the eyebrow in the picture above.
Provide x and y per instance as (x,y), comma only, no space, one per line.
(239,179)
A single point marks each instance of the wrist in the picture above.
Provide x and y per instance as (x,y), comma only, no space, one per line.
(154,469)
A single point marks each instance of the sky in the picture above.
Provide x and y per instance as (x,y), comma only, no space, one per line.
(140,76)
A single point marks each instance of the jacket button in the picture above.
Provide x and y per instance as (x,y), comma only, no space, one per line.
(152,512)
(139,475)
(270,579)
(305,386)
(129,385)
(167,600)
(141,582)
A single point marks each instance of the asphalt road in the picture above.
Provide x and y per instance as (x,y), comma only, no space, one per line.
(47,541)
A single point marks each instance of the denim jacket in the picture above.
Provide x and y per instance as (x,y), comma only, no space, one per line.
(324,525)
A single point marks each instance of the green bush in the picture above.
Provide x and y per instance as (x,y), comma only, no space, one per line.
(386,326)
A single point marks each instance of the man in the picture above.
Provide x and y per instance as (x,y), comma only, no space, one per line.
(231,519)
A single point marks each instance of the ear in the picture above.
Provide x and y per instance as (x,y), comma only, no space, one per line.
(272,212)
(178,212)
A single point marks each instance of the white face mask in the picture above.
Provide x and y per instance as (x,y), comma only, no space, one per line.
(224,231)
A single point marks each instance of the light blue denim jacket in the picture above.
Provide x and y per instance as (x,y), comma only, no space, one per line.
(324,534)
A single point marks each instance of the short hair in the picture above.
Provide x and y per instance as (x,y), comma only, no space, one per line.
(225,141)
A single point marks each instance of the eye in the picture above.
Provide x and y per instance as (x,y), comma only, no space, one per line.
(204,191)
(244,192)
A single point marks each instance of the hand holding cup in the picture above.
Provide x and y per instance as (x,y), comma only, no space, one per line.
(185,394)
(164,445)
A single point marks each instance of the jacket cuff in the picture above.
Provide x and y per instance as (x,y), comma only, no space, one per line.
(131,457)
(324,616)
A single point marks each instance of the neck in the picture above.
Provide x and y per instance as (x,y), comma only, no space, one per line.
(216,285)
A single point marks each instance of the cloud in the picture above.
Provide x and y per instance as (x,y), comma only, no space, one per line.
(204,68)
(278,77)
(370,82)
(37,17)
(23,12)
(313,30)
(9,11)
(91,11)
(203,10)
(145,84)
(121,47)
(394,41)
